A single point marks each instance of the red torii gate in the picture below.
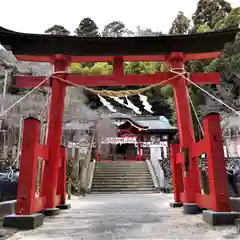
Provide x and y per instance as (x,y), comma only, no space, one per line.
(61,51)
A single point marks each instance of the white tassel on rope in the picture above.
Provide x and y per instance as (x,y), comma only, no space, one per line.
(107,104)
(145,103)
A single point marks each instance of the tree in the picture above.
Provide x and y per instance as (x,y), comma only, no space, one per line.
(228,63)
(180,24)
(145,32)
(231,20)
(210,16)
(139,68)
(210,12)
(114,29)
(87,28)
(57,30)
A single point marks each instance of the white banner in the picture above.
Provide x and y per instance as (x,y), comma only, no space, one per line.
(153,144)
(120,140)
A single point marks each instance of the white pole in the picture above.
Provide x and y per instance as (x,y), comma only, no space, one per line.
(165,152)
(4,94)
(160,153)
(19,142)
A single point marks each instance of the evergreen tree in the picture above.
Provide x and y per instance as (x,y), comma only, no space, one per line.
(209,12)
(87,28)
(114,29)
(57,30)
(180,24)
(145,32)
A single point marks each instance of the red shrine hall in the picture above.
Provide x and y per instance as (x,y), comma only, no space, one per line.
(61,51)
(137,137)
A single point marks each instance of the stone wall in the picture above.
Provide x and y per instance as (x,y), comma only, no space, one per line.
(232,163)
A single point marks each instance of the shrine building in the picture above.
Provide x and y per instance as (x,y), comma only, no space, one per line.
(138,138)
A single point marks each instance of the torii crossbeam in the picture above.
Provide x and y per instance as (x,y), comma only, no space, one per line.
(174,50)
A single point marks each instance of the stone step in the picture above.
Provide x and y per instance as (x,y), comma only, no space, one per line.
(96,180)
(121,171)
(116,186)
(100,190)
(122,184)
(126,175)
(125,192)
(124,168)
(122,165)
(122,181)
(134,181)
(122,176)
(121,162)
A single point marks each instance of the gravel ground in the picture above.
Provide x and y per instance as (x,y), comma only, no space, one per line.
(125,216)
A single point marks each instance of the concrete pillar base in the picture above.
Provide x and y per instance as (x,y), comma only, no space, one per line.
(176,204)
(51,211)
(191,208)
(23,222)
(64,206)
(220,218)
(238,225)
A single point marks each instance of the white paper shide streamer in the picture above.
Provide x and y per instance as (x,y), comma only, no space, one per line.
(119,100)
(132,106)
(128,105)
(107,104)
(145,103)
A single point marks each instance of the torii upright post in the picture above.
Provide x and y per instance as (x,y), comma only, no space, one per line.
(54,136)
(191,181)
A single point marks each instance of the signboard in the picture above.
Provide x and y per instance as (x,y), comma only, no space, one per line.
(77,145)
(159,144)
(119,140)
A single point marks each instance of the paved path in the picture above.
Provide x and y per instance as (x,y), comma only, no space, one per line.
(125,216)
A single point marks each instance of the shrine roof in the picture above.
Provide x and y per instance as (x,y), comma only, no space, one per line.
(146,122)
(76,125)
(160,123)
(24,44)
(120,115)
(127,118)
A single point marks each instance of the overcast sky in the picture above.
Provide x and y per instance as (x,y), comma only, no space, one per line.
(33,16)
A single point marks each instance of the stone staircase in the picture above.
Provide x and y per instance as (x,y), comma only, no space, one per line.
(122,176)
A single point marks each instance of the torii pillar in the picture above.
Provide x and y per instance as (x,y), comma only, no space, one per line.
(54,135)
(189,185)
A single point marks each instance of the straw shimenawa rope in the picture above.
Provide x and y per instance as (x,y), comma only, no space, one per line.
(123,93)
